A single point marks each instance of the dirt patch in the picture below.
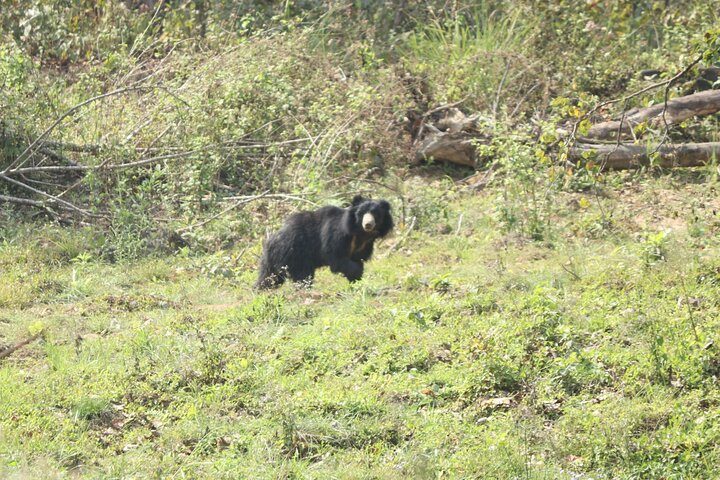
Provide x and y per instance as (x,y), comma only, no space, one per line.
(667,209)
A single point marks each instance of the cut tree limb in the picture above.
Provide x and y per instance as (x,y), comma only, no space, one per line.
(21,201)
(626,157)
(448,147)
(678,110)
(449,138)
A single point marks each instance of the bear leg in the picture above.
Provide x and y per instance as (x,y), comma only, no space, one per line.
(268,279)
(303,277)
(351,269)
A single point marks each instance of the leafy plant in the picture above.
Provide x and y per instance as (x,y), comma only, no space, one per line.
(653,248)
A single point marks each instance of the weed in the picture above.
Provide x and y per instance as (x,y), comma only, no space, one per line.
(653,248)
(90,408)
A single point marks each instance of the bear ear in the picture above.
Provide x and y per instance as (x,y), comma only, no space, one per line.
(357,200)
(384,205)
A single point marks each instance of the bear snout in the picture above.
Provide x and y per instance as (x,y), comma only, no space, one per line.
(368,222)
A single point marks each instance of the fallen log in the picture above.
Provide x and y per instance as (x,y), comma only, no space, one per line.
(678,110)
(450,138)
(627,157)
(448,146)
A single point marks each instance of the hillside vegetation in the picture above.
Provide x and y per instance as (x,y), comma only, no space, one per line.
(532,317)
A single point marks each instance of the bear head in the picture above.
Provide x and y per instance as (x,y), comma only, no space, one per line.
(370,216)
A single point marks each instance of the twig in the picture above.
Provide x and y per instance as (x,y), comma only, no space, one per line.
(666,130)
(444,107)
(482,182)
(74,147)
(14,348)
(427,114)
(325,162)
(231,207)
(157,139)
(56,156)
(691,317)
(103,166)
(524,97)
(45,194)
(296,197)
(156,70)
(22,158)
(401,239)
(137,130)
(499,90)
(160,5)
(22,201)
(459,226)
(617,140)
(138,163)
(326,158)
(575,275)
(231,144)
(40,182)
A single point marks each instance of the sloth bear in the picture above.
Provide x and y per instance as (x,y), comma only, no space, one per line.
(340,238)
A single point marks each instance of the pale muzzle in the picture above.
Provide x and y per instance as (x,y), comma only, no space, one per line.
(368,222)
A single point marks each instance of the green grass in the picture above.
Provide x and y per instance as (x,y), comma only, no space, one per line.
(468,354)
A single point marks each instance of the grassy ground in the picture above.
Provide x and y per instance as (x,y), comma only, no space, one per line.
(465,352)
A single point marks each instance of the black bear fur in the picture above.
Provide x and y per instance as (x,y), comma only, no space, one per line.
(330,236)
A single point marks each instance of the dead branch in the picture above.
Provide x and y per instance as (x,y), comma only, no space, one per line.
(625,157)
(53,198)
(235,205)
(429,113)
(145,161)
(678,110)
(449,147)
(57,156)
(283,196)
(479,180)
(451,139)
(25,155)
(14,348)
(73,147)
(22,176)
(22,201)
(401,239)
